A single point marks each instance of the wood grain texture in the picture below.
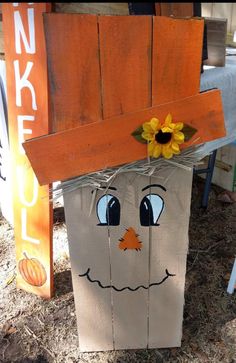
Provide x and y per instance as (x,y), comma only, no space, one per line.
(126,67)
(181,47)
(163,9)
(32,208)
(129,267)
(182,9)
(169,246)
(126,86)
(174,9)
(169,242)
(104,144)
(89,248)
(73,63)
(129,77)
(93,8)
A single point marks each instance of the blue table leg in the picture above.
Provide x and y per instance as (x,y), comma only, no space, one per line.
(211,164)
(209,173)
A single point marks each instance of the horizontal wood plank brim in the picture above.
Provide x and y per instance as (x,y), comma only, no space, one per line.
(109,143)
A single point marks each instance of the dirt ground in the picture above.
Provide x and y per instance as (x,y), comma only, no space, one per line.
(36,330)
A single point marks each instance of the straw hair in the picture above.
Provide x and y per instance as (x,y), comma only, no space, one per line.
(149,167)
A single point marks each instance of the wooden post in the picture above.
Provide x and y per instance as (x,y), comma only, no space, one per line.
(27,91)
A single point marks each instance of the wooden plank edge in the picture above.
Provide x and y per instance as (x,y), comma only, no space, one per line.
(77,151)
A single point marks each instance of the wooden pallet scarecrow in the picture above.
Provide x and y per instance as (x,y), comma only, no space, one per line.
(127,116)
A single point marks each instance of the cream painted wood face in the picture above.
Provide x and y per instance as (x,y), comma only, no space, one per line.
(128,247)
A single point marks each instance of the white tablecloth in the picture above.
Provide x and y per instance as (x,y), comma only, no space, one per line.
(223,78)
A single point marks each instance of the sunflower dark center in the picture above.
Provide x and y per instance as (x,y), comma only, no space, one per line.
(163,137)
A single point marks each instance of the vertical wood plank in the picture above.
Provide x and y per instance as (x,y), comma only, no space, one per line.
(129,267)
(182,9)
(76,100)
(74,75)
(181,47)
(88,244)
(126,87)
(165,9)
(125,44)
(169,245)
(174,9)
(27,95)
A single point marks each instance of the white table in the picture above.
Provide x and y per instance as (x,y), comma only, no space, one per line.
(223,78)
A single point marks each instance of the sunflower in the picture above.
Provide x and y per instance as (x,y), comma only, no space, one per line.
(163,138)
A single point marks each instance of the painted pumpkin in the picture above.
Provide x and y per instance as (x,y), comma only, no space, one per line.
(32,271)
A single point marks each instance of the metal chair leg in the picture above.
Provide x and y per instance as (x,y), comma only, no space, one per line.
(209,172)
(211,164)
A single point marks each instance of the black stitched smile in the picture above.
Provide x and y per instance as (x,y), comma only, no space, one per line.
(127,287)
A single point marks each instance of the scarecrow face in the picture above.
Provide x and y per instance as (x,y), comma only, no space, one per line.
(128,222)
(128,247)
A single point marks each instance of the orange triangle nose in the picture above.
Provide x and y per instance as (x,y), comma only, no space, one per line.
(130,241)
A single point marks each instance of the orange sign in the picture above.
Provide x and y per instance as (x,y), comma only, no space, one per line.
(27,91)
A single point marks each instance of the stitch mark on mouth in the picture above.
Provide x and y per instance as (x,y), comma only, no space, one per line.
(86,274)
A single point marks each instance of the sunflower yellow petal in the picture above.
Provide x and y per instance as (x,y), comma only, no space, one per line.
(147,127)
(148,136)
(166,129)
(155,124)
(167,152)
(168,119)
(156,151)
(178,126)
(179,136)
(175,147)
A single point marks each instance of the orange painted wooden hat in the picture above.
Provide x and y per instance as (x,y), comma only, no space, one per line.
(108,76)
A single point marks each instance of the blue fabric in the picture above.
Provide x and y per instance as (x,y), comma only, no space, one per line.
(223,78)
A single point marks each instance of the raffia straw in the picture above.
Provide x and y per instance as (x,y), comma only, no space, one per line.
(186,160)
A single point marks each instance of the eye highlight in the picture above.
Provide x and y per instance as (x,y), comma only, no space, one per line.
(108,210)
(150,210)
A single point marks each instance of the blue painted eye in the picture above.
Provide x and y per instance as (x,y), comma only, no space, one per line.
(150,210)
(108,211)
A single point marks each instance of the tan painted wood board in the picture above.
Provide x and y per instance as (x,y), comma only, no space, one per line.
(169,245)
(130,267)
(89,248)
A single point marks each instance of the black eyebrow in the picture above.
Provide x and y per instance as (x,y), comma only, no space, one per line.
(154,185)
(112,188)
